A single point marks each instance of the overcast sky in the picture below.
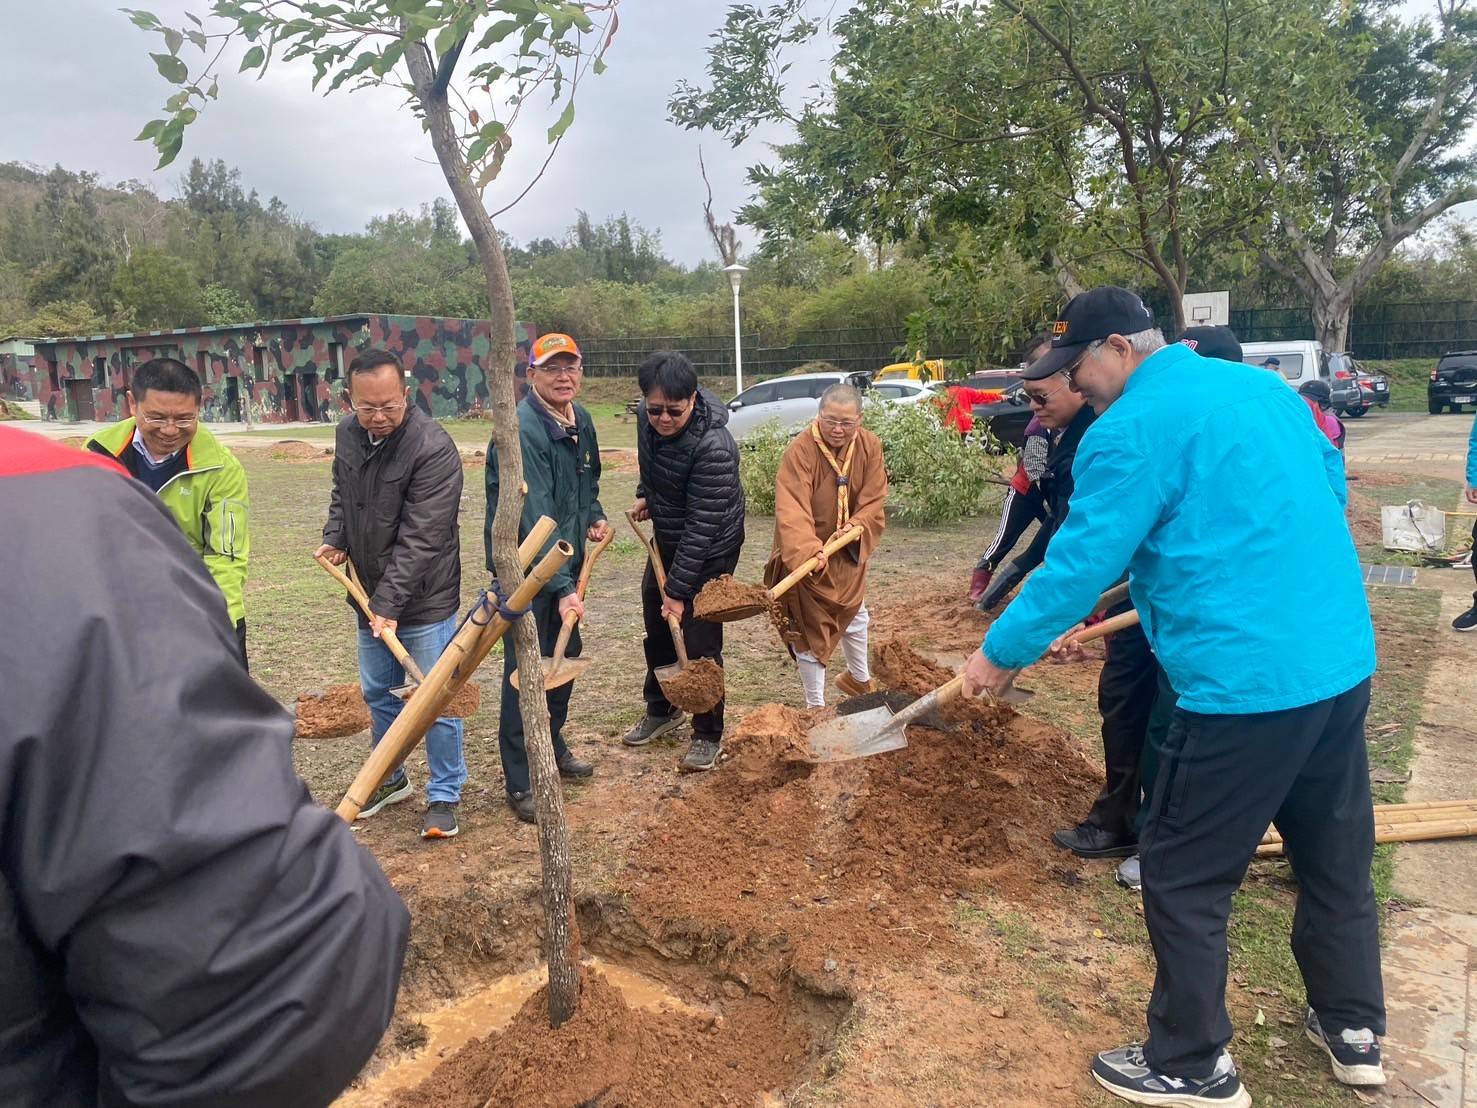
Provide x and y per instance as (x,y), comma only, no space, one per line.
(77,83)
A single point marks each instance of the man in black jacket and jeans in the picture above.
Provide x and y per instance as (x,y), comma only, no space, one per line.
(689,489)
(397,486)
(180,924)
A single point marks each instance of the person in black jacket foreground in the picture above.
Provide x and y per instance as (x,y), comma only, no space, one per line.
(179,923)
(689,489)
(397,487)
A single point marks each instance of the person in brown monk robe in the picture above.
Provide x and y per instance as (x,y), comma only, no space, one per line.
(831,478)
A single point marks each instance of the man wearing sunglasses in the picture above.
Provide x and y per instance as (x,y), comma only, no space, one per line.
(397,487)
(689,489)
(561,468)
(201,483)
(1214,510)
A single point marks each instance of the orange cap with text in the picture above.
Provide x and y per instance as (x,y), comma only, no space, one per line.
(549,345)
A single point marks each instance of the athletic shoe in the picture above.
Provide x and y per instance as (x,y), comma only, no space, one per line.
(392,791)
(1355,1054)
(439,822)
(702,754)
(653,727)
(576,769)
(852,687)
(1128,874)
(979,581)
(1125,1073)
(1087,841)
(522,805)
(1467,621)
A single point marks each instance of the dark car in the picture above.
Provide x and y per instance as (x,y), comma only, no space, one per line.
(1006,419)
(1453,382)
(1374,391)
(990,379)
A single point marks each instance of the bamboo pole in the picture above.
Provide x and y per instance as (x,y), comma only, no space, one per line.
(456,665)
(1425,812)
(1404,833)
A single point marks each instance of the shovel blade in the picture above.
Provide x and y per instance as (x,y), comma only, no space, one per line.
(404,691)
(733,615)
(568,670)
(855,736)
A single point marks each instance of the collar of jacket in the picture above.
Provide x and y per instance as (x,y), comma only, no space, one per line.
(204,452)
(557,431)
(1168,359)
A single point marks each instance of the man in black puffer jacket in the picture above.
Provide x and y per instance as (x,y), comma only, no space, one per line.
(689,488)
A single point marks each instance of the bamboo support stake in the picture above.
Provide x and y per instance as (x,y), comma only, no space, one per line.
(452,670)
(1404,833)
(1443,812)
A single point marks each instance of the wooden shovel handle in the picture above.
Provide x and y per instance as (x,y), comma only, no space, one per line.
(590,556)
(1104,628)
(387,636)
(561,644)
(846,538)
(661,586)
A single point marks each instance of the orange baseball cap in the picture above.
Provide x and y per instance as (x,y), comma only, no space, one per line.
(549,345)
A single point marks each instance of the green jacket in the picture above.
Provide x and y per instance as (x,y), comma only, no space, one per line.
(208,501)
(563,478)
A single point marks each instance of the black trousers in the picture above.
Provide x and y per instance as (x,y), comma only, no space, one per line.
(1221,780)
(544,611)
(241,643)
(1017,513)
(1126,691)
(702,639)
(1159,720)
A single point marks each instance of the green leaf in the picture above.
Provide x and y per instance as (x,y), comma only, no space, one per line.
(177,102)
(151,129)
(562,123)
(390,58)
(144,21)
(173,39)
(600,66)
(496,33)
(448,37)
(214,90)
(253,60)
(169,141)
(171,68)
(195,19)
(197,38)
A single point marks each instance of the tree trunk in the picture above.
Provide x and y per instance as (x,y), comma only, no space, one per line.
(1331,322)
(562,942)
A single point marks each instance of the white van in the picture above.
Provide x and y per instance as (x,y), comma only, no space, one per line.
(1301,361)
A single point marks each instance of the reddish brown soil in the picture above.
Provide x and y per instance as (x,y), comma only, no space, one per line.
(853,856)
(611,1054)
(294,451)
(697,688)
(465,703)
(723,594)
(337,711)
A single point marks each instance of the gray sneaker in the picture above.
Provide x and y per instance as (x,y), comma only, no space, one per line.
(653,727)
(439,822)
(392,791)
(702,754)
(1128,874)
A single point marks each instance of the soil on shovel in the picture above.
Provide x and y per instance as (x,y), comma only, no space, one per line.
(723,594)
(611,1053)
(340,710)
(697,688)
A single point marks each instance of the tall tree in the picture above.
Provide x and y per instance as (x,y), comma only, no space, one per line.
(513,49)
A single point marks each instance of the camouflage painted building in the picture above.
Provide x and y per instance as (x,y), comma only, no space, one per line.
(16,378)
(285,370)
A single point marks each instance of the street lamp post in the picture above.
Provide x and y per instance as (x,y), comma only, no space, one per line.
(735,278)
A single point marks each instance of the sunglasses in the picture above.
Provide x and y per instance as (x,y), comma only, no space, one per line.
(1039,399)
(671,411)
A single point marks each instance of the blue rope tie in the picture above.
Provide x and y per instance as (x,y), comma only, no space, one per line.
(512,615)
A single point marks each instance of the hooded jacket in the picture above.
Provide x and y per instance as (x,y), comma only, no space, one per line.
(394,509)
(690,482)
(208,500)
(180,923)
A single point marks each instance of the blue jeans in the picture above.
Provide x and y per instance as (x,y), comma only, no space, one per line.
(379,673)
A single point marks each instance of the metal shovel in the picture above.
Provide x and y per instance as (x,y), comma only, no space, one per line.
(763,598)
(559,670)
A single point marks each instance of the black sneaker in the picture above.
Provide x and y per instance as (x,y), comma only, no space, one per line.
(1355,1054)
(1087,841)
(522,805)
(1467,621)
(1125,1073)
(439,822)
(653,727)
(701,755)
(392,791)
(575,768)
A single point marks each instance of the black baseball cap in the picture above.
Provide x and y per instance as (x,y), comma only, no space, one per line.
(1213,342)
(1090,316)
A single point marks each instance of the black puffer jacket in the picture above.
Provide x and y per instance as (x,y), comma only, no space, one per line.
(394,509)
(691,485)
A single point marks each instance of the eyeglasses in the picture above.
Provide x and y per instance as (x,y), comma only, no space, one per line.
(369,411)
(671,411)
(560,370)
(1039,399)
(838,424)
(183,423)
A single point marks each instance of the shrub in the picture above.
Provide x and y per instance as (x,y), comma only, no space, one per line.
(759,465)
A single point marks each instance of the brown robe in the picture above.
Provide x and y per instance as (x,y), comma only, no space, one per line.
(821,607)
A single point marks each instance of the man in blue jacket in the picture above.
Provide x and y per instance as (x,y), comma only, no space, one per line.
(1212,512)
(1467,621)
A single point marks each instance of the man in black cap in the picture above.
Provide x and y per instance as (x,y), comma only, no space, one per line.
(1214,341)
(1273,682)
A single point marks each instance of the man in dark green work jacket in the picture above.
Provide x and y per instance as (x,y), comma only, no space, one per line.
(561,466)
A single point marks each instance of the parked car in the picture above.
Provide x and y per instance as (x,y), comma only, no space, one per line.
(1302,361)
(990,379)
(791,400)
(901,391)
(1453,382)
(1374,390)
(1006,420)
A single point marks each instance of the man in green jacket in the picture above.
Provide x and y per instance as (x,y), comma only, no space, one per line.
(561,467)
(201,483)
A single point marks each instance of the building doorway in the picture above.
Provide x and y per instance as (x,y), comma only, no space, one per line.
(79,399)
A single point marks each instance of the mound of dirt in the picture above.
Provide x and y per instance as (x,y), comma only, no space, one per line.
(846,855)
(697,688)
(726,593)
(612,1054)
(292,450)
(337,711)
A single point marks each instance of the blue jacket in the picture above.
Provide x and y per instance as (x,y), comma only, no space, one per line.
(1472,457)
(1229,518)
